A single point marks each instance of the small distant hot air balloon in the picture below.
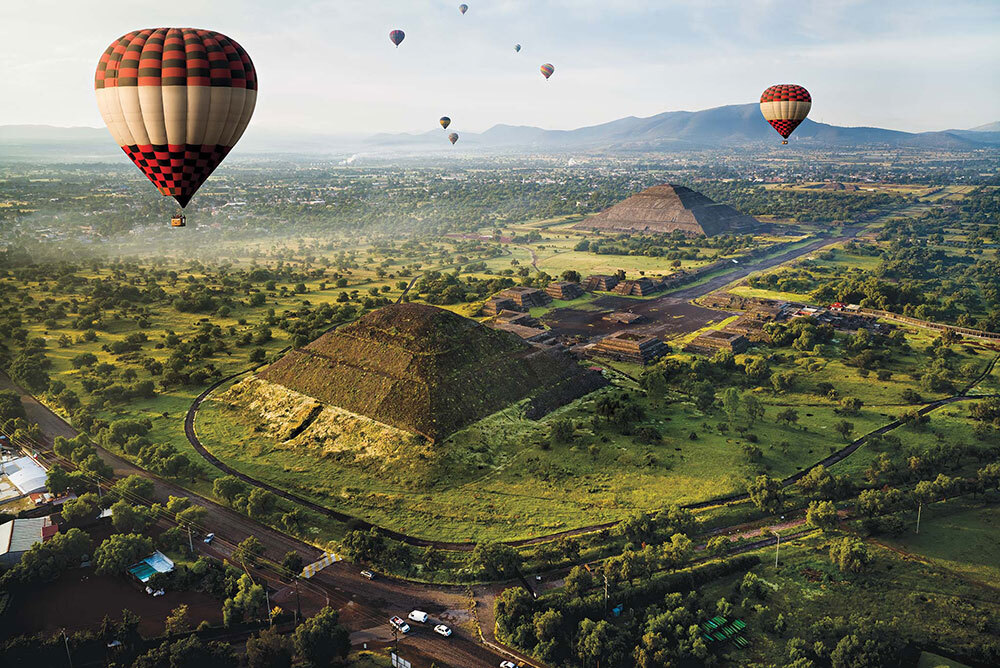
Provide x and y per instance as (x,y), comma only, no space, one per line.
(397,36)
(445,122)
(547,70)
(453,137)
(517,48)
(463,8)
(176,100)
(785,106)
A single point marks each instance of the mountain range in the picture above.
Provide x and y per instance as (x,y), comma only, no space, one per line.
(720,127)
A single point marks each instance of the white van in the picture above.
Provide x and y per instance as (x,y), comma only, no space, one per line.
(418,616)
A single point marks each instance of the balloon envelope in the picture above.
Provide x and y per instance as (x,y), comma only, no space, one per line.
(453,137)
(547,70)
(445,122)
(176,100)
(463,8)
(784,106)
(396,36)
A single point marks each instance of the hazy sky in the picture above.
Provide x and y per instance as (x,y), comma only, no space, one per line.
(328,66)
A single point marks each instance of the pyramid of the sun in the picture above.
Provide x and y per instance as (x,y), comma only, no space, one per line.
(668,207)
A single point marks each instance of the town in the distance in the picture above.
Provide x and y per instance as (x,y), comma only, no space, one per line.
(702,388)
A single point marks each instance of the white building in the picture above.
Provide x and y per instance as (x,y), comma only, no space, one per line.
(25,474)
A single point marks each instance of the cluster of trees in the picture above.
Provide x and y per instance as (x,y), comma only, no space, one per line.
(573,626)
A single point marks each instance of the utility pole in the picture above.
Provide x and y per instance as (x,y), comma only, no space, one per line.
(298,603)
(267,597)
(776,546)
(920,507)
(190,542)
(68,656)
(605,594)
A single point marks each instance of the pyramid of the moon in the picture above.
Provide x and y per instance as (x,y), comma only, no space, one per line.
(668,207)
(429,371)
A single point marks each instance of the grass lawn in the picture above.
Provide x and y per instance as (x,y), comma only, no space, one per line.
(960,535)
(500,478)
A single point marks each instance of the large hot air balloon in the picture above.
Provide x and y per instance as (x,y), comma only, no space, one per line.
(463,8)
(517,48)
(547,70)
(445,122)
(176,100)
(453,137)
(785,106)
(396,36)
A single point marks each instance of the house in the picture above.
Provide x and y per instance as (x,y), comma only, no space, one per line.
(17,537)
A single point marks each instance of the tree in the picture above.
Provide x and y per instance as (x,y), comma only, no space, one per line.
(321,639)
(178,621)
(850,555)
(228,487)
(766,493)
(788,415)
(247,604)
(134,487)
(248,551)
(571,275)
(822,515)
(189,652)
(45,561)
(292,563)
(594,641)
(717,546)
(818,483)
(127,518)
(845,429)
(260,503)
(11,407)
(81,510)
(731,404)
(578,581)
(497,559)
(548,625)
(192,517)
(561,431)
(119,551)
(364,545)
(269,649)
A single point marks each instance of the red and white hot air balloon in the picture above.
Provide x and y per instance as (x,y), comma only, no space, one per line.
(176,100)
(784,106)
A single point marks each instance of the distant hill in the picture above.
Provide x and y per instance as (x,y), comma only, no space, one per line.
(989,127)
(732,125)
(737,125)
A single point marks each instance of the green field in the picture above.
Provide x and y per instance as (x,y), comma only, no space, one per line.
(959,535)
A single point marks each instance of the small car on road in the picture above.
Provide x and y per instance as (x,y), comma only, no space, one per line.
(368,575)
(399,624)
(209,538)
(418,616)
(508,664)
(442,630)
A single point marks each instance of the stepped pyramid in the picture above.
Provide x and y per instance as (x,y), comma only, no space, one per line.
(429,371)
(668,207)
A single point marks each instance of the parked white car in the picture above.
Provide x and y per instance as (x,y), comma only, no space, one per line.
(442,630)
(418,616)
(508,664)
(399,624)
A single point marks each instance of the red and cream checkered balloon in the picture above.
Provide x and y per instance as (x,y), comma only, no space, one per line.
(176,100)
(785,106)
